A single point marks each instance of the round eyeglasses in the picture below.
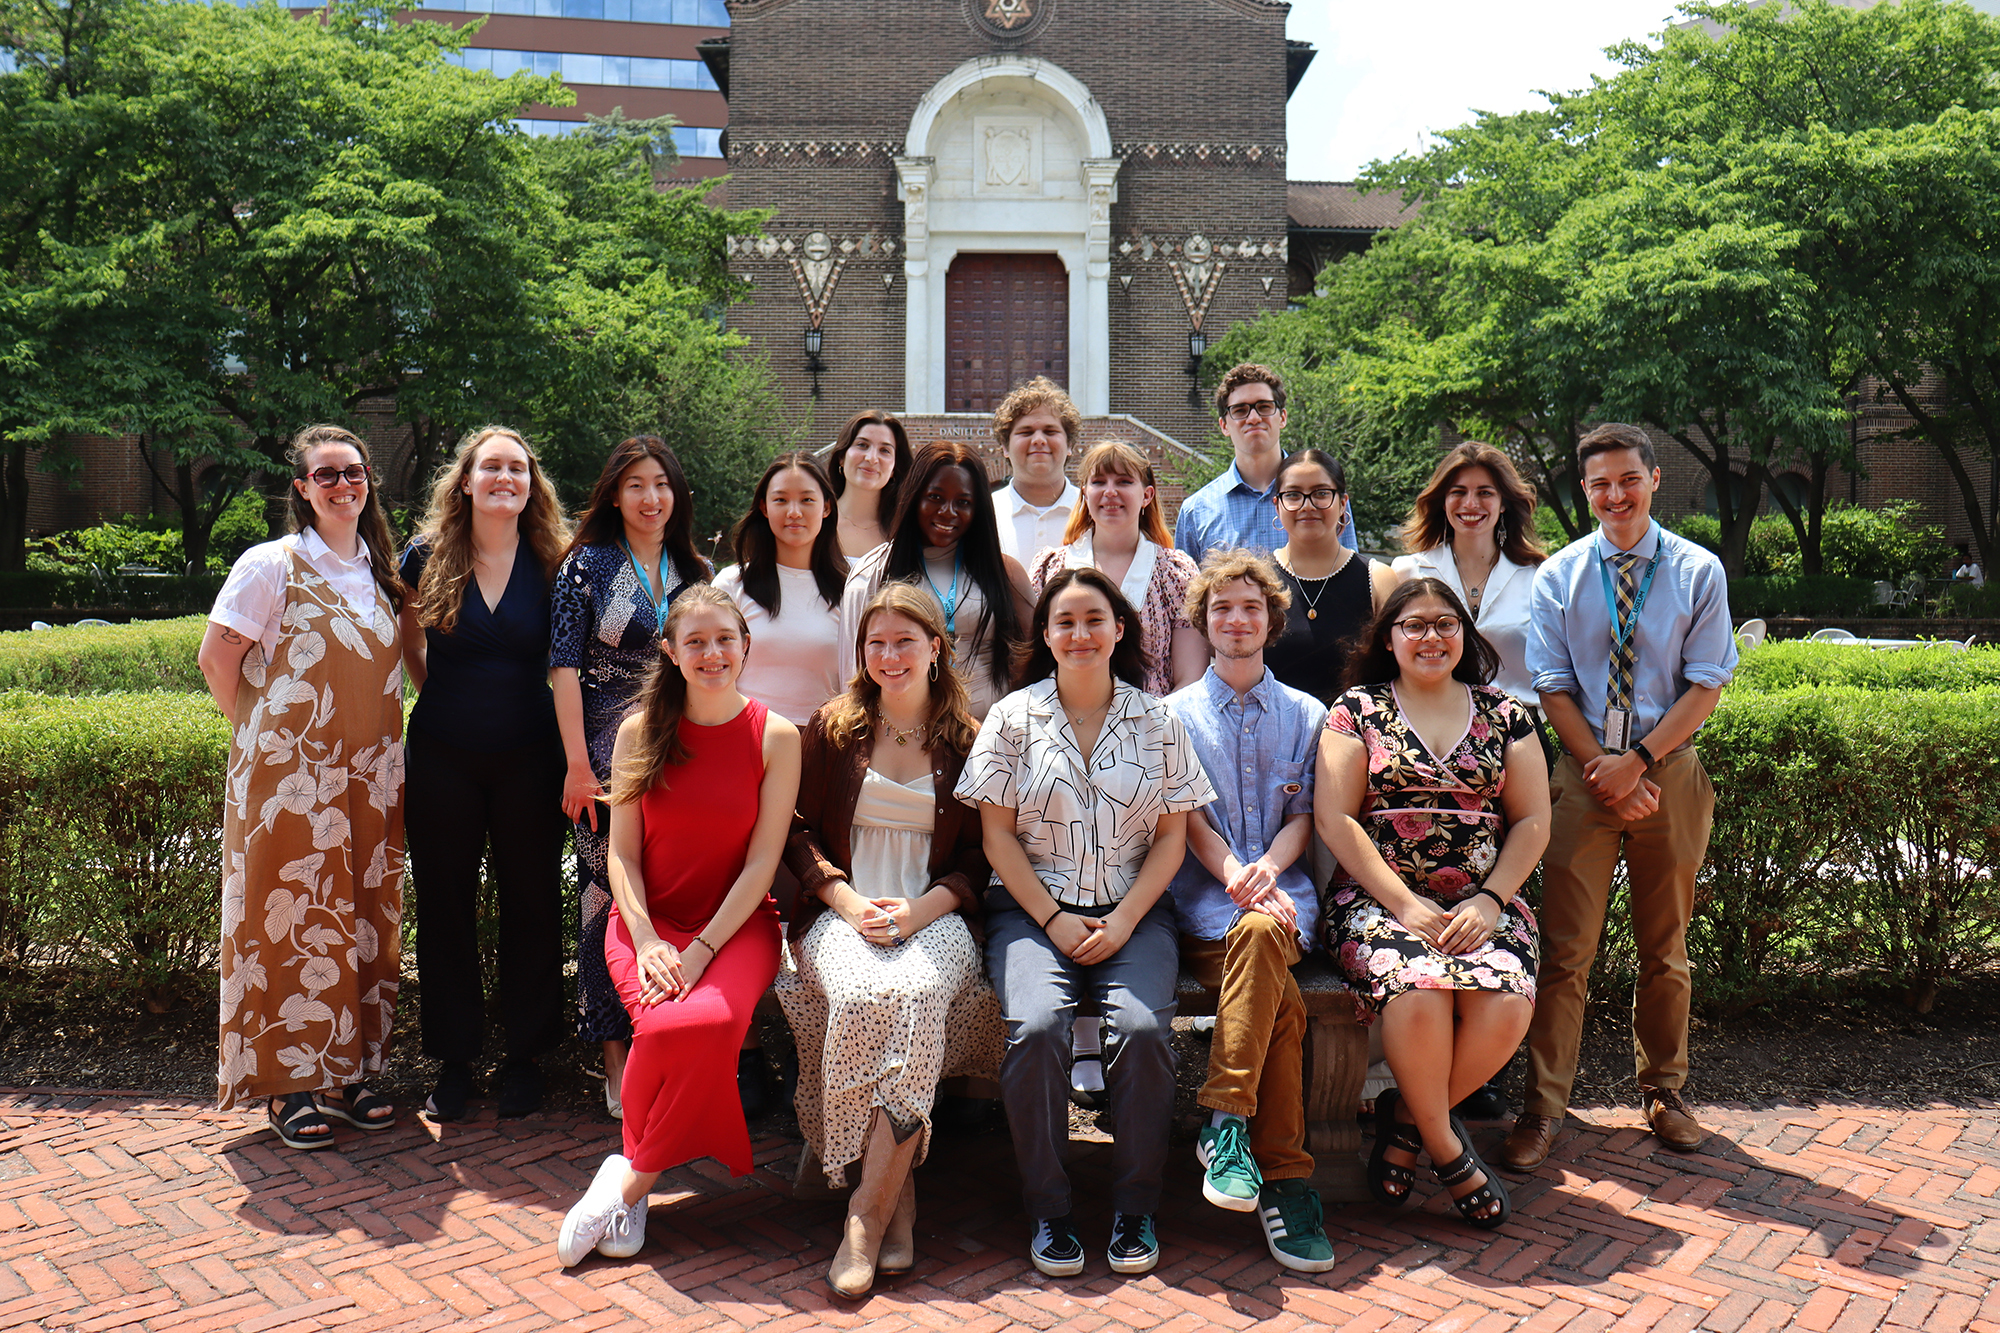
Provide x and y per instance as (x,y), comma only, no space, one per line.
(1416,629)
(1320,497)
(328,477)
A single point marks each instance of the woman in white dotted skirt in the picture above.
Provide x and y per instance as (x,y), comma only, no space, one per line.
(886,995)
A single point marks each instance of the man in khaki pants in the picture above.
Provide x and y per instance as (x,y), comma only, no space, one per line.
(1629,647)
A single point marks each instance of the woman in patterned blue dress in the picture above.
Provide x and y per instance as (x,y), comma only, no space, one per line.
(1433,795)
(633,555)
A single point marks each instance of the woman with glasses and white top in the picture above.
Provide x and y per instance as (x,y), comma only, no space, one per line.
(300,656)
(1473,529)
(1433,793)
(1334,589)
(1117,527)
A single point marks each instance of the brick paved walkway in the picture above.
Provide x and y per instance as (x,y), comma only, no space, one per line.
(122,1211)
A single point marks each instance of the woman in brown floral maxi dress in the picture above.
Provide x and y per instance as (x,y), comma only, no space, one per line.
(301,656)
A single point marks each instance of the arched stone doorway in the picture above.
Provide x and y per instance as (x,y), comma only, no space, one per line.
(1007,155)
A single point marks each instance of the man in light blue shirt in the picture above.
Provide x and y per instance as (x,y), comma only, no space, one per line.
(1629,646)
(1239,509)
(1246,905)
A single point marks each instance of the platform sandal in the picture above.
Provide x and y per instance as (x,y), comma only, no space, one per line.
(1383,1173)
(295,1111)
(355,1102)
(1476,1206)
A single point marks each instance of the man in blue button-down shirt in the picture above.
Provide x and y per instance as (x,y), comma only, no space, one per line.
(1629,781)
(1246,905)
(1239,509)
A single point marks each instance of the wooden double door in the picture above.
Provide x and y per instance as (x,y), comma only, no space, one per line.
(1006,319)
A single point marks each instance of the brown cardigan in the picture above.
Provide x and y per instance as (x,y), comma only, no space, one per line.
(821,846)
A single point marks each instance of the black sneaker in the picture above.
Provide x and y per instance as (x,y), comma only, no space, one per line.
(753,1083)
(1486,1103)
(520,1089)
(1055,1248)
(452,1092)
(1134,1246)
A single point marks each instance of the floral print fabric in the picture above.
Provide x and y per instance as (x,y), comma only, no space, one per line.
(312,895)
(1438,824)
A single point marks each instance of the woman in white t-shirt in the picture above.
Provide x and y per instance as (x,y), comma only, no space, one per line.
(788,586)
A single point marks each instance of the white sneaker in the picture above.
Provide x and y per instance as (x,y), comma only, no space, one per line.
(612,1101)
(626,1234)
(591,1217)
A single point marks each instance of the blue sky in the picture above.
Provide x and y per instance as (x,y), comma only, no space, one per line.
(1388,74)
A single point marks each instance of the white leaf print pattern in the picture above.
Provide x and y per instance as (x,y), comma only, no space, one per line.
(297,1011)
(296,793)
(318,974)
(305,650)
(305,870)
(329,827)
(301,1062)
(350,636)
(281,912)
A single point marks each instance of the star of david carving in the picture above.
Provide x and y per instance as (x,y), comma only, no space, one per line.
(1009,14)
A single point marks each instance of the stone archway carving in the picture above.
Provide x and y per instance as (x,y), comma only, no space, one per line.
(1007,153)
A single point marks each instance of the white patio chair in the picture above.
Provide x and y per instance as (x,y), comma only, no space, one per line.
(1749,635)
(1830,635)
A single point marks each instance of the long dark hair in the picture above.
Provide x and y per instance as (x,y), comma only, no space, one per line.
(885,503)
(602,525)
(1373,661)
(1310,457)
(1128,659)
(1427,528)
(980,545)
(662,701)
(757,546)
(372,527)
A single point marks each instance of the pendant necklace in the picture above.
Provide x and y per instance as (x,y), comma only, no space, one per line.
(1312,601)
(896,733)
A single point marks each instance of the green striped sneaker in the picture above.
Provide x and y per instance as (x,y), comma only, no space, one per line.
(1294,1226)
(1231,1178)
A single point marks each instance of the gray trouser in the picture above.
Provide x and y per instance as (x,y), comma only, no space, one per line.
(1039,988)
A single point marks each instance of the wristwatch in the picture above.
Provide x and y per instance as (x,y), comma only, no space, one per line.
(1644,753)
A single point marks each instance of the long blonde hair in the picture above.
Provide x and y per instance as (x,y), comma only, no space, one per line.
(850,716)
(662,701)
(447,529)
(1120,460)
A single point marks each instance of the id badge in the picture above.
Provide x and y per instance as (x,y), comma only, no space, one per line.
(1618,729)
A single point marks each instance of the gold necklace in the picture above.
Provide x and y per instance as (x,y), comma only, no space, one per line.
(896,733)
(1312,602)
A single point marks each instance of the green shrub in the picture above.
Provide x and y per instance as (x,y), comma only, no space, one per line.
(177,594)
(1962,599)
(1885,541)
(110,840)
(144,655)
(1793,664)
(1800,595)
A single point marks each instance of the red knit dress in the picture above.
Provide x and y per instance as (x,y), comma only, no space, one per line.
(680,1080)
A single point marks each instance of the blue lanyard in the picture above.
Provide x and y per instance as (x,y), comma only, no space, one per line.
(1622,632)
(950,601)
(658,604)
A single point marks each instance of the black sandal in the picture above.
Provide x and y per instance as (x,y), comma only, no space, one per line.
(1389,1133)
(1473,1207)
(355,1102)
(296,1111)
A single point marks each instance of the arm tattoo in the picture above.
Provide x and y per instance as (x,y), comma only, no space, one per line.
(231,636)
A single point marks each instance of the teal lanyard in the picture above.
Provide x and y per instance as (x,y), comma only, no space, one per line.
(949,600)
(1622,631)
(659,604)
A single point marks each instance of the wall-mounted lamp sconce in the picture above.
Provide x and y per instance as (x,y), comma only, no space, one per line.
(814,340)
(1197,346)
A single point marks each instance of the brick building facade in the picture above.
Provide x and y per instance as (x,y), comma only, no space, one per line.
(1115,168)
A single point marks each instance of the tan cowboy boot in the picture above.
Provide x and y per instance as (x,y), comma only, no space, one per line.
(885,1165)
(899,1242)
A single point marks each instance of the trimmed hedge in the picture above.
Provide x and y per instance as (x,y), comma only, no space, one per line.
(110,840)
(145,655)
(1801,595)
(1797,664)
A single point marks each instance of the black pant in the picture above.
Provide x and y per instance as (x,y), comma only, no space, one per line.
(457,802)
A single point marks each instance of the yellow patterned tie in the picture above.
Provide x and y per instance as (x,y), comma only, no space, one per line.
(1623,658)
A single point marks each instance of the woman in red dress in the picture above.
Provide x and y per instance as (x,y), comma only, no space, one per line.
(703,785)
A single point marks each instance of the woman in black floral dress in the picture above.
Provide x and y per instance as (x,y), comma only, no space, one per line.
(633,555)
(1434,796)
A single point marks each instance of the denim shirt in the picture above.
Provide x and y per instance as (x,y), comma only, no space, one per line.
(1259,751)
(1227,514)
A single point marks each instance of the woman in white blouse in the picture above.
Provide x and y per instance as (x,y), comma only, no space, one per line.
(788,586)
(1117,527)
(1473,528)
(1083,783)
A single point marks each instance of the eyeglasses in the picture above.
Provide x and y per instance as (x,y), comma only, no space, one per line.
(1416,629)
(1263,407)
(1320,497)
(328,477)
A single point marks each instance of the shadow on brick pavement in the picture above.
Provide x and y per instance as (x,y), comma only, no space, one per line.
(133,1211)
